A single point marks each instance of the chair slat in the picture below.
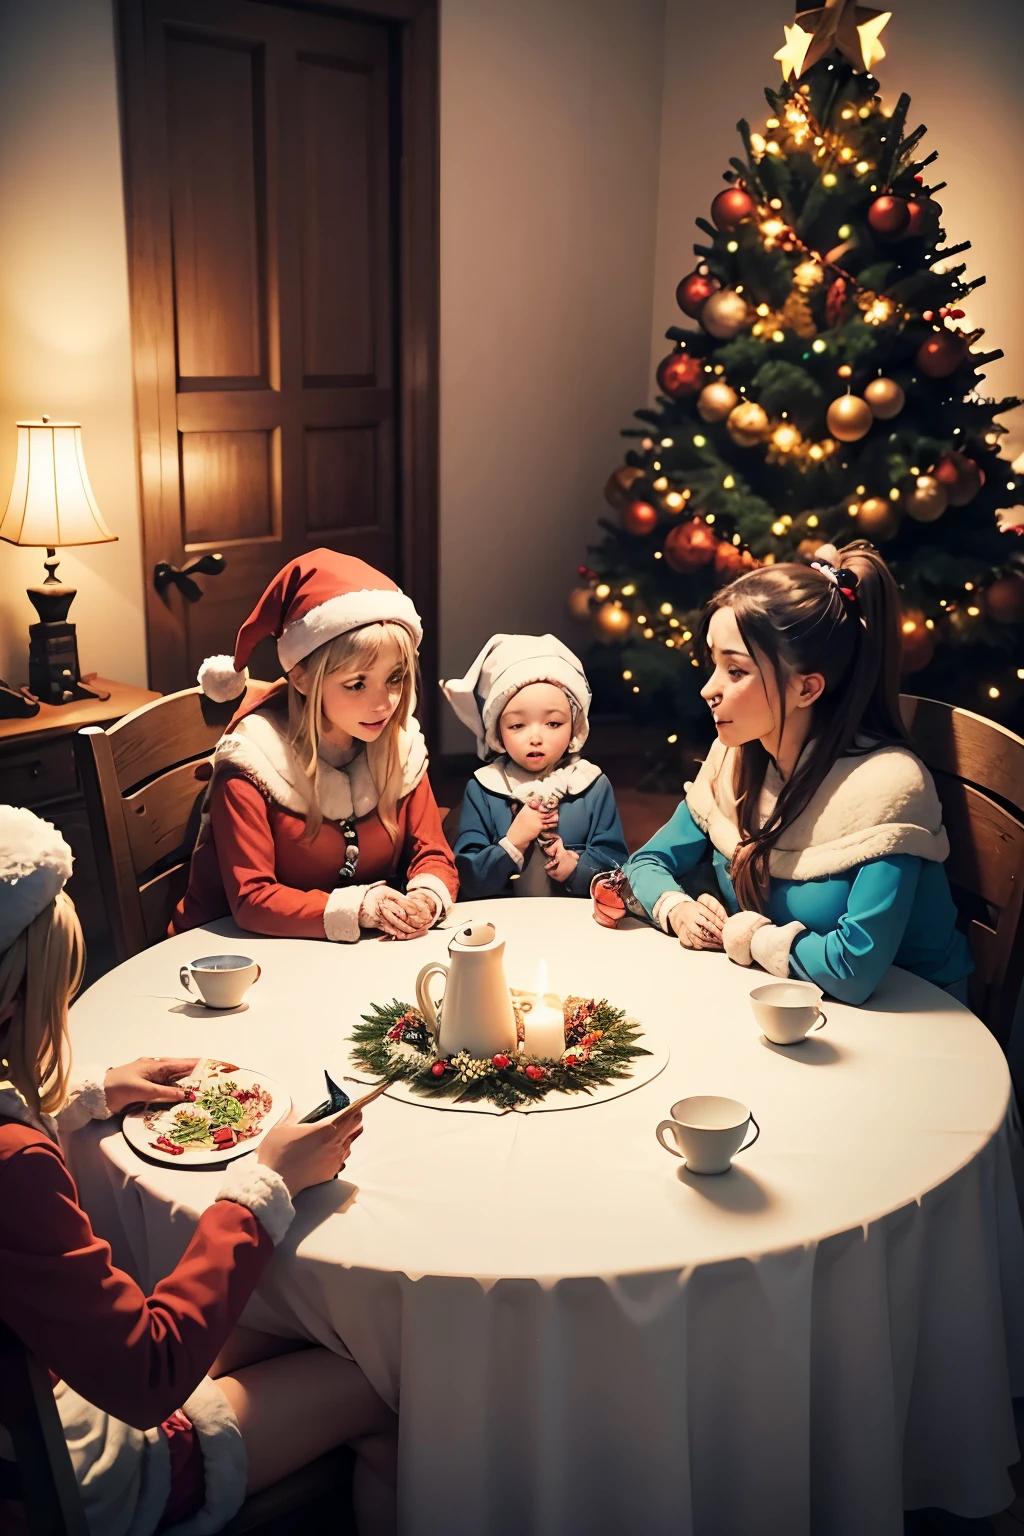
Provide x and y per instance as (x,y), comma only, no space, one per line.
(167,731)
(163,818)
(958,742)
(986,843)
(118,880)
(158,899)
(28,1412)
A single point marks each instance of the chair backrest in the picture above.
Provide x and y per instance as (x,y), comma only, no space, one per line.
(978,768)
(41,1476)
(144,780)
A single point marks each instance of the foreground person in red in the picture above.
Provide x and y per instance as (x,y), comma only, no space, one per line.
(156,1444)
(320,820)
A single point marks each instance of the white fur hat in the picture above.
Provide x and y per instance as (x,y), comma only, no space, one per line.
(506,664)
(35,863)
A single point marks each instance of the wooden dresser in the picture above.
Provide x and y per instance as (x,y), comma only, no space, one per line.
(37,769)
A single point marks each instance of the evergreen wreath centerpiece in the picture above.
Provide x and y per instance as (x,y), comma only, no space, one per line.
(394,1041)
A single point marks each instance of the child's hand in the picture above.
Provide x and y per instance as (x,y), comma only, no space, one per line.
(529,824)
(695,925)
(561,861)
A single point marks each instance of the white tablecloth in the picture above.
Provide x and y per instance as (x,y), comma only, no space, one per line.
(585,1338)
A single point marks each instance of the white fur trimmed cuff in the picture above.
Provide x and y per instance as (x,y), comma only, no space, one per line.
(665,905)
(770,946)
(87,1101)
(225,1462)
(737,932)
(344,912)
(219,680)
(515,854)
(263,1192)
(434,886)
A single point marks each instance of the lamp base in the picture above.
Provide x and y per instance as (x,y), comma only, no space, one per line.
(52,601)
(54,675)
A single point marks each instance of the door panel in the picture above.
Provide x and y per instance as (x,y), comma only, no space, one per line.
(268,206)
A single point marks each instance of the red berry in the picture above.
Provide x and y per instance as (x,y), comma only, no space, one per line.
(501,1061)
(438,1069)
(535,1073)
(571,1060)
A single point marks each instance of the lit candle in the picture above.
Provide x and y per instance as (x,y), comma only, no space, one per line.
(543,1023)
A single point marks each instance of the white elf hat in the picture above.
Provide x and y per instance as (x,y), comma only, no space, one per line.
(506,664)
(35,863)
(314,599)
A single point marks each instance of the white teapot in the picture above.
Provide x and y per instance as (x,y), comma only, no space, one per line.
(476,1012)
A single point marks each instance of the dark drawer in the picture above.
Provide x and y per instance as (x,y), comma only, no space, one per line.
(34,775)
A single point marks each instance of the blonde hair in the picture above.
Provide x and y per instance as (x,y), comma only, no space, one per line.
(42,971)
(357,649)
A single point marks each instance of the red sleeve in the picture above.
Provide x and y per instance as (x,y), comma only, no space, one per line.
(137,1357)
(245,852)
(426,850)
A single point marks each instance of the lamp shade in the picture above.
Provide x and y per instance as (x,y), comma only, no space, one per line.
(51,502)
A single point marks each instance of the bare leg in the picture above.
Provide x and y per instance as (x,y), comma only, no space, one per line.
(293,1408)
(245,1346)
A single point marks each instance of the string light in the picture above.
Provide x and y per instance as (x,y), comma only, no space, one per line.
(661,484)
(709,519)
(629,591)
(729,482)
(733,247)
(993,693)
(700,441)
(635,688)
(648,634)
(672,739)
(627,675)
(829,179)
(819,345)
(813,520)
(641,618)
(665,609)
(667,442)
(603,591)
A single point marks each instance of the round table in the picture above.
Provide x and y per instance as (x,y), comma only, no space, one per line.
(584,1337)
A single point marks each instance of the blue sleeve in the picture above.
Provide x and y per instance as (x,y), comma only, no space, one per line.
(606,846)
(673,851)
(850,961)
(484,867)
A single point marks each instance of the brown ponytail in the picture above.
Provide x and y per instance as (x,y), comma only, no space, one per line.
(794,618)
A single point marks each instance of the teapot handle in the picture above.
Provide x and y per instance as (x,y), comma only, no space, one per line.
(424,1001)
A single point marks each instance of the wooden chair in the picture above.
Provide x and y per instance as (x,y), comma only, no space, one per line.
(144,780)
(978,768)
(42,1479)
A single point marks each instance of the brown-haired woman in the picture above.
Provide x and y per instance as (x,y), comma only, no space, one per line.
(826,830)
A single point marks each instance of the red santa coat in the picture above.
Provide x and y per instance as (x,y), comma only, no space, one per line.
(250,860)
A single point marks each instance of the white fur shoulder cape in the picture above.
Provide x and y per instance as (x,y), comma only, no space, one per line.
(881,802)
(258,747)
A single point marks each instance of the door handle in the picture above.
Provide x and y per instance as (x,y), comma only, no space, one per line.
(166,575)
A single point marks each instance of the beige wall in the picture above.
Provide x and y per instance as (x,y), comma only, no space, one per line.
(64,339)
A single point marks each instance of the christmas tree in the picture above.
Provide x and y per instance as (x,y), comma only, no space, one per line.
(825,390)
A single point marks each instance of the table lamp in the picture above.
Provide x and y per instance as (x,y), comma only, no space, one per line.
(52,506)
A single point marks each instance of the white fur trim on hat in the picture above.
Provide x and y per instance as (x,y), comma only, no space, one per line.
(506,664)
(35,863)
(263,1192)
(219,680)
(349,610)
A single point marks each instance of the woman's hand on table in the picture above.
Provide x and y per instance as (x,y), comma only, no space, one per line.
(698,924)
(311,1154)
(405,917)
(147,1080)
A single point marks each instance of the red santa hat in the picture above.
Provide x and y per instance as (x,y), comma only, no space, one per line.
(314,599)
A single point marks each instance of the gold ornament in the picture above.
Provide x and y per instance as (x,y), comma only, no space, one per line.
(849,418)
(786,437)
(796,314)
(747,424)
(885,398)
(579,603)
(724,314)
(878,519)
(808,275)
(611,622)
(927,500)
(842,24)
(715,401)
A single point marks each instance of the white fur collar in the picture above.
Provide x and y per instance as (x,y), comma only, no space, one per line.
(866,807)
(259,747)
(504,777)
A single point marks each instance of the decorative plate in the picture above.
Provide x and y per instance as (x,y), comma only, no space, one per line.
(228,1112)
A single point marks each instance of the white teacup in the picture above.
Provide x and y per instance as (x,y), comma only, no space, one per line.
(221,980)
(708,1131)
(787,1011)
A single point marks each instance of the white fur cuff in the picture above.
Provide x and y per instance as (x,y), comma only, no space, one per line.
(87,1101)
(263,1192)
(434,886)
(515,854)
(737,933)
(344,912)
(770,946)
(219,680)
(665,906)
(225,1462)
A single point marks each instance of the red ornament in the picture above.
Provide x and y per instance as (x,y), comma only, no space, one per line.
(1004,600)
(915,220)
(837,302)
(439,1068)
(917,644)
(731,561)
(680,374)
(501,1061)
(690,545)
(960,476)
(940,355)
(731,206)
(639,518)
(889,217)
(535,1073)
(692,292)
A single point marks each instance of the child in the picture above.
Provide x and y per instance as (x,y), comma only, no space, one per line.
(155,1444)
(537,820)
(320,811)
(827,830)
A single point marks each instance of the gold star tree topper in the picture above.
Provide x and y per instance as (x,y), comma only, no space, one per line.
(843,24)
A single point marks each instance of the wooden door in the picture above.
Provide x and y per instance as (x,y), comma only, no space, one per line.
(276,214)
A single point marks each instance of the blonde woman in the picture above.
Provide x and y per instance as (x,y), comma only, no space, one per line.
(320,820)
(171,1415)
